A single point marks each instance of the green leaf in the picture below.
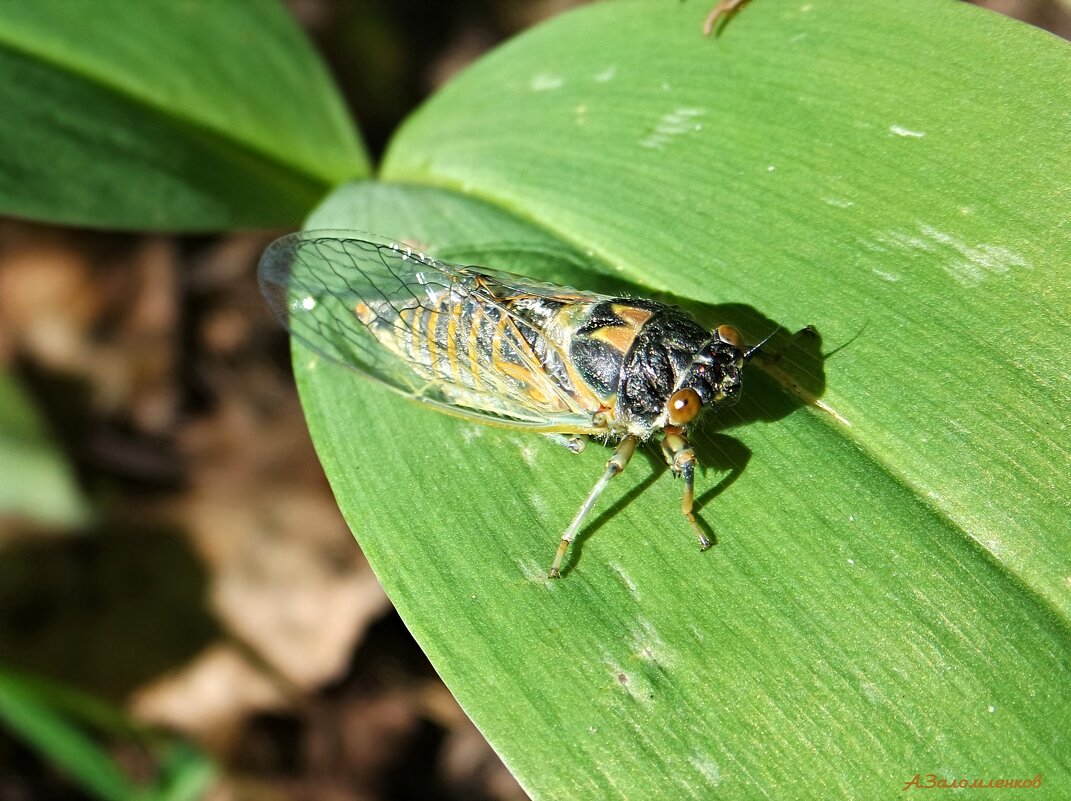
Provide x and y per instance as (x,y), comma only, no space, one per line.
(166,115)
(29,715)
(45,714)
(186,776)
(36,482)
(889,595)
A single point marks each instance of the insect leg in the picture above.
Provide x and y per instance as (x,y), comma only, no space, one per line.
(617,463)
(682,462)
(724,8)
(575,443)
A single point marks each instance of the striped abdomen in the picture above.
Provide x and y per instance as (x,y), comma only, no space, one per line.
(481,352)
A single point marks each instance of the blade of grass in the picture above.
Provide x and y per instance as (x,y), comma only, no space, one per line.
(31,718)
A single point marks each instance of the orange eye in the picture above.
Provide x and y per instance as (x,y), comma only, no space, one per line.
(729,335)
(683,406)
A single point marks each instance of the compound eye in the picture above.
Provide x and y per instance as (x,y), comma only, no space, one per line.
(683,406)
(729,335)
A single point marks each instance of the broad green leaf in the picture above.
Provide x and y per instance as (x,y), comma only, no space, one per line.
(890,592)
(35,480)
(166,115)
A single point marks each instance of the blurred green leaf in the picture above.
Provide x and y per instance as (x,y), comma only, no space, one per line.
(166,115)
(25,711)
(51,718)
(35,479)
(890,591)
(186,774)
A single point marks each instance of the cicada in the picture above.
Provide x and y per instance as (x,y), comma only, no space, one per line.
(507,351)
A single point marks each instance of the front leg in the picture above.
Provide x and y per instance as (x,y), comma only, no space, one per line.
(681,459)
(574,443)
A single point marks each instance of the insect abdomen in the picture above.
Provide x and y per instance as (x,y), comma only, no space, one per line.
(467,340)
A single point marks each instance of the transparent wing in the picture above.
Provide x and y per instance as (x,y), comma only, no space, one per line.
(316,283)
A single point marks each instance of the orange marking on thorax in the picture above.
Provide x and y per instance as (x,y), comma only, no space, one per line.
(618,337)
(635,318)
(621,337)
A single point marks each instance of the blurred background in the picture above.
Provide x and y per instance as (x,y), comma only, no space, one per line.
(171,550)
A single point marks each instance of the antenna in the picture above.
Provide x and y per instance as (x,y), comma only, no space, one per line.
(756,348)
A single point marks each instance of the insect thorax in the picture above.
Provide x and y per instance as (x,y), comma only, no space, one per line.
(660,358)
(635,353)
